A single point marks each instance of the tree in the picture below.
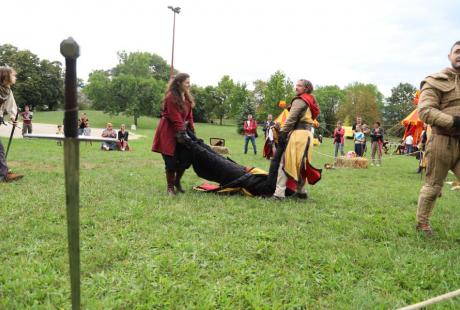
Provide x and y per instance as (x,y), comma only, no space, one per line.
(360,100)
(135,86)
(142,64)
(239,96)
(201,112)
(223,92)
(39,83)
(399,104)
(278,87)
(136,96)
(98,89)
(258,97)
(52,84)
(329,99)
(245,105)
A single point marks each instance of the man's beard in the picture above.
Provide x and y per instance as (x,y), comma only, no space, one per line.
(455,66)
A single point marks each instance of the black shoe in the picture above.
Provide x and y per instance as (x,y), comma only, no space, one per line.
(300,195)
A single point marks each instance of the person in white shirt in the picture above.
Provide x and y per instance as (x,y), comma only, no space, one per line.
(409,142)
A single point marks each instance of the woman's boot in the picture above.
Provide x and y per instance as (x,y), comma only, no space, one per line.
(177,184)
(170,177)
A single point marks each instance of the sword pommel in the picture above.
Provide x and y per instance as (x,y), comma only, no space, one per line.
(70,48)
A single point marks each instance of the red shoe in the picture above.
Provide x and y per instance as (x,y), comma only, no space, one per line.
(11,177)
(425,229)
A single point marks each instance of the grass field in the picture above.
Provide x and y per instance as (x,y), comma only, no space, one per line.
(352,245)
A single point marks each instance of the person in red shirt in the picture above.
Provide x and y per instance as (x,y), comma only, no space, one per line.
(26,120)
(250,127)
(176,118)
(338,135)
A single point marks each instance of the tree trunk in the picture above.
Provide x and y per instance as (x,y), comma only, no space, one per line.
(135,120)
(220,120)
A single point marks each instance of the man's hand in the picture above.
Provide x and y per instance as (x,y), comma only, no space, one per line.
(456,122)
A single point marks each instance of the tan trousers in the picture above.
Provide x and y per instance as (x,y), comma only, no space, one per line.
(376,147)
(442,154)
(280,190)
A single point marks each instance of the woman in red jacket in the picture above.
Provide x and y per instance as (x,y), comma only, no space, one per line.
(176,117)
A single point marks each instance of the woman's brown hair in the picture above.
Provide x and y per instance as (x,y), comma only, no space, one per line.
(5,76)
(174,88)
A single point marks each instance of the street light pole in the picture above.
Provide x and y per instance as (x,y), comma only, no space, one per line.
(175,10)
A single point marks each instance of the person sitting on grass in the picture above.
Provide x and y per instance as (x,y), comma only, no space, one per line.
(109,133)
(122,142)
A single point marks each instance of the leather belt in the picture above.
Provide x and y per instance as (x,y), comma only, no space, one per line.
(445,132)
(304,126)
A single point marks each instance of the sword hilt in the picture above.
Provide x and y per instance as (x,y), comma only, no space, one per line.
(70,50)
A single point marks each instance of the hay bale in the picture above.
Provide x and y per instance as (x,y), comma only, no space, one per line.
(355,162)
(220,149)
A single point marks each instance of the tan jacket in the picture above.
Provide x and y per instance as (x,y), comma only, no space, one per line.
(440,99)
(298,114)
(9,107)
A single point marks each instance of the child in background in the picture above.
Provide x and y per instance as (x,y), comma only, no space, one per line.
(359,141)
(59,132)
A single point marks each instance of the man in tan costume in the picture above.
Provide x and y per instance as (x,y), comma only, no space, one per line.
(294,170)
(440,107)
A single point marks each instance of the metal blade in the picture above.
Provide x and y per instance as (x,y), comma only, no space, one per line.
(62,137)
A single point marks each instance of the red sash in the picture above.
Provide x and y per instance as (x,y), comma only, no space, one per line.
(311,102)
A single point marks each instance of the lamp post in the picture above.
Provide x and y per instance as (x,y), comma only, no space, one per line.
(175,10)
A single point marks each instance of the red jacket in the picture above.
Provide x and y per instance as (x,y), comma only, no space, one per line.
(172,120)
(250,130)
(339,133)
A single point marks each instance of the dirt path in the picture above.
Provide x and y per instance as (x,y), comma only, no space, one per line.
(50,129)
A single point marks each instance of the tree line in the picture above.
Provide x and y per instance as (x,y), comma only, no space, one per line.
(136,86)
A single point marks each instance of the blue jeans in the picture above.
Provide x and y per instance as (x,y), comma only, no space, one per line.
(111,145)
(359,149)
(253,141)
(410,148)
(338,146)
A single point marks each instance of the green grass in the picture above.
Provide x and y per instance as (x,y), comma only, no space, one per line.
(352,245)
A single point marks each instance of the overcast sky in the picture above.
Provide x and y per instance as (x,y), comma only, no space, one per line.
(328,42)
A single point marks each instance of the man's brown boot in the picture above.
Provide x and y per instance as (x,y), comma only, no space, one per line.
(425,229)
(11,177)
(170,177)
(177,184)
